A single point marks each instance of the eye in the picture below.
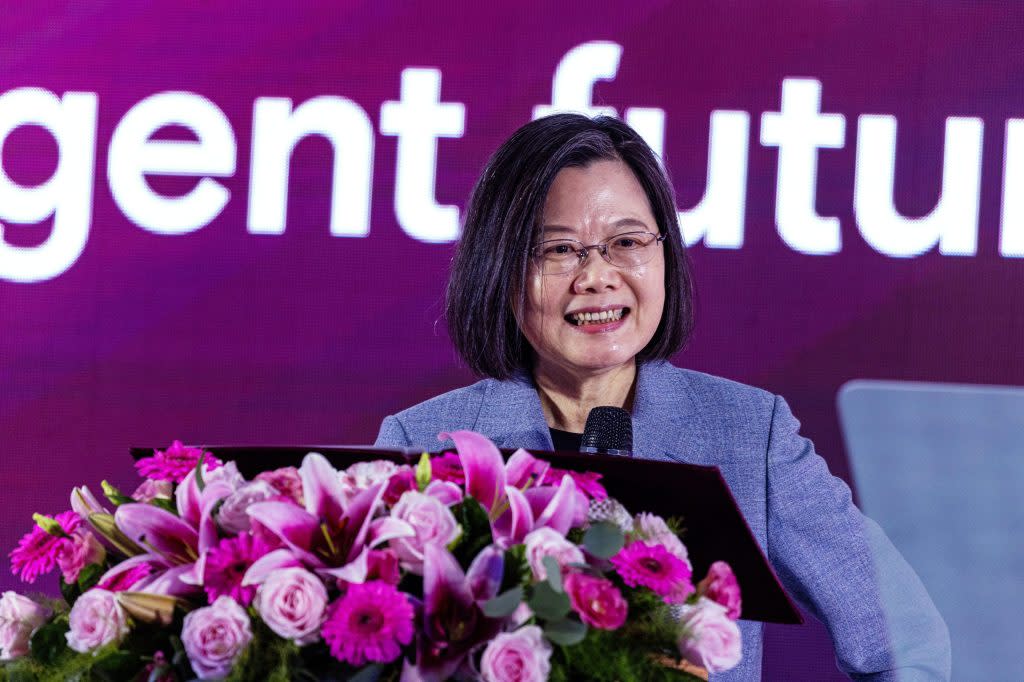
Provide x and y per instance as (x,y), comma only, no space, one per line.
(626,243)
(558,249)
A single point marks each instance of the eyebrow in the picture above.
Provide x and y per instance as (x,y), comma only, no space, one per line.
(623,222)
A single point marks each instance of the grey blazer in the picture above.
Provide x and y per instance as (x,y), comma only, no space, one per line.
(824,550)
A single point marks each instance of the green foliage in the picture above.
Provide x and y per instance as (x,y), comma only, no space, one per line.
(566,632)
(108,664)
(48,642)
(603,540)
(548,604)
(268,657)
(616,655)
(504,604)
(165,503)
(553,572)
(89,576)
(476,531)
(516,570)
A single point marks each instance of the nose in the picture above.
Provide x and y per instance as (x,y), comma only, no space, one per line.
(595,274)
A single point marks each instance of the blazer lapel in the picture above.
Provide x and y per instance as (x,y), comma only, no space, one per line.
(667,422)
(511,415)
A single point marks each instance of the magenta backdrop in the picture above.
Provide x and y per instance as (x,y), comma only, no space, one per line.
(218,334)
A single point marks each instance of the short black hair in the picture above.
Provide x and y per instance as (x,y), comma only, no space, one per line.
(488,278)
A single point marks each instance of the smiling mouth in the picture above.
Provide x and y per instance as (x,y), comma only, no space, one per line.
(603,317)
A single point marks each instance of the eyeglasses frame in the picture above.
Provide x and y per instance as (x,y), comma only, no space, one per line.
(584,251)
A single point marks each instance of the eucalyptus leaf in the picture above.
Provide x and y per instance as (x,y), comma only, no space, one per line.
(554,573)
(547,603)
(604,540)
(566,632)
(504,604)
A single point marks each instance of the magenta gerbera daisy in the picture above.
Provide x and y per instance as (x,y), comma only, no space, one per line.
(369,623)
(37,551)
(226,565)
(174,463)
(653,566)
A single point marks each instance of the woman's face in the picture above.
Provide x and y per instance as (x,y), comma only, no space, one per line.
(591,204)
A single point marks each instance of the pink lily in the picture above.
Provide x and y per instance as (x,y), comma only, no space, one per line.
(453,623)
(176,544)
(510,492)
(332,534)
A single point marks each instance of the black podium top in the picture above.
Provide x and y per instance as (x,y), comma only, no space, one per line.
(714,528)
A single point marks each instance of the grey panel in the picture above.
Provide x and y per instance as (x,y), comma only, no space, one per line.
(941,468)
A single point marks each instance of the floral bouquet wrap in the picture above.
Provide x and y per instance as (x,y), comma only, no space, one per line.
(463,567)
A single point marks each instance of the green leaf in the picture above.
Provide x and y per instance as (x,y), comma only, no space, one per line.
(89,576)
(48,642)
(200,483)
(554,573)
(566,632)
(423,472)
(117,665)
(165,503)
(476,531)
(547,603)
(604,540)
(504,604)
(517,571)
(70,591)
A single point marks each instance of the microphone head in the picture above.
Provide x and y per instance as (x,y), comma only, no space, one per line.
(608,430)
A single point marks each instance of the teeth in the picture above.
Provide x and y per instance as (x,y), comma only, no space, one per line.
(598,318)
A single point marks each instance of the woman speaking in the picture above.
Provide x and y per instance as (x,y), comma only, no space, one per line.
(570,289)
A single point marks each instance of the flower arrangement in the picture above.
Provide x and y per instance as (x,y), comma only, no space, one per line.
(464,566)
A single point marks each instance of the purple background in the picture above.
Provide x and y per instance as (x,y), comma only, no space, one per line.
(225,336)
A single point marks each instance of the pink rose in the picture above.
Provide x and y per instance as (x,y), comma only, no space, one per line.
(77,551)
(720,585)
(520,656)
(233,515)
(286,481)
(96,620)
(549,542)
(597,600)
(19,617)
(432,522)
(293,603)
(709,639)
(150,489)
(652,529)
(400,482)
(214,636)
(362,475)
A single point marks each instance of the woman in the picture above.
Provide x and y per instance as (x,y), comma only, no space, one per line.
(571,289)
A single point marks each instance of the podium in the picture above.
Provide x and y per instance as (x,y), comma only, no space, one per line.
(713,527)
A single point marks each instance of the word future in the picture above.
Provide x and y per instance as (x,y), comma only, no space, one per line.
(418,118)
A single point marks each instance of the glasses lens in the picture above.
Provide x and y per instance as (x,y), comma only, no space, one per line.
(630,249)
(557,256)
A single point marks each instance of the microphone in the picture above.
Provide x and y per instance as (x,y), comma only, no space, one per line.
(609,431)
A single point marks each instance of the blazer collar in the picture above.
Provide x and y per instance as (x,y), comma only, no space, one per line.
(666,420)
(511,415)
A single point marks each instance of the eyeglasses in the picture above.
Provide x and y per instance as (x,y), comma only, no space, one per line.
(627,250)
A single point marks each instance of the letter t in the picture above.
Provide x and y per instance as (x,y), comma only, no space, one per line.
(799,130)
(418,120)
